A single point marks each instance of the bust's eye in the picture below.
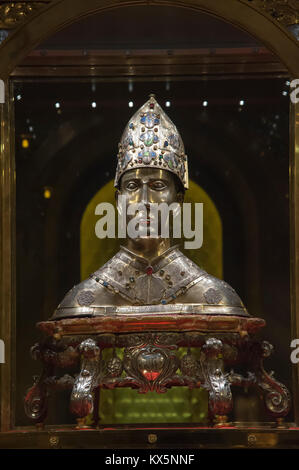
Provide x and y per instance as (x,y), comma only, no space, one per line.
(131,185)
(158,185)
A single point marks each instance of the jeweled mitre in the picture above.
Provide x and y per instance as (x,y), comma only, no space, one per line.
(151,139)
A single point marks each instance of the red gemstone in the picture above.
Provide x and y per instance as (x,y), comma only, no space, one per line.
(152,105)
(151,376)
(149,270)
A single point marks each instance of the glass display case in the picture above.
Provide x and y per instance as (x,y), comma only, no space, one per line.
(72,82)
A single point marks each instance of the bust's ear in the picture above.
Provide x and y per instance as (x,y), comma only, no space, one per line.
(180,197)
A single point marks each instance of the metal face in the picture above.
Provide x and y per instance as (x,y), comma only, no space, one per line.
(148,186)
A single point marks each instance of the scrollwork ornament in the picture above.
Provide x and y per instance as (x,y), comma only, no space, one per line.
(152,364)
(277,398)
(148,367)
(284,11)
(216,381)
(36,401)
(82,401)
(13,13)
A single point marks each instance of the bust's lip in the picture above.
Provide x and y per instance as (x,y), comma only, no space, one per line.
(145,221)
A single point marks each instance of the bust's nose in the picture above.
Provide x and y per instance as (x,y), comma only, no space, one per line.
(145,194)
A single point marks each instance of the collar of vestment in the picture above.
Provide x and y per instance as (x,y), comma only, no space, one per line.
(145,282)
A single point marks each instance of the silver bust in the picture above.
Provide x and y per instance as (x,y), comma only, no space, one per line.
(148,274)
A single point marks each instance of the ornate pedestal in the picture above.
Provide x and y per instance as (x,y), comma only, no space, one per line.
(150,361)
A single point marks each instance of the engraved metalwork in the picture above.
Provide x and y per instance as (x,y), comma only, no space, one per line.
(276,395)
(36,399)
(85,298)
(191,367)
(151,363)
(150,367)
(13,13)
(212,296)
(216,381)
(114,367)
(150,288)
(284,11)
(82,394)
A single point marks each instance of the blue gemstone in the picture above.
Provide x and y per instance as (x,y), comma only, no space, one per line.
(131,125)
(105,283)
(128,140)
(175,160)
(165,143)
(146,156)
(125,160)
(174,141)
(149,119)
(163,301)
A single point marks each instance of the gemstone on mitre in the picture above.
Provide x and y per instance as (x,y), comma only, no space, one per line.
(125,160)
(174,140)
(147,156)
(149,138)
(128,140)
(149,119)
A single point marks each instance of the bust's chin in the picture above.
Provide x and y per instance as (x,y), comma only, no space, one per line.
(147,242)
